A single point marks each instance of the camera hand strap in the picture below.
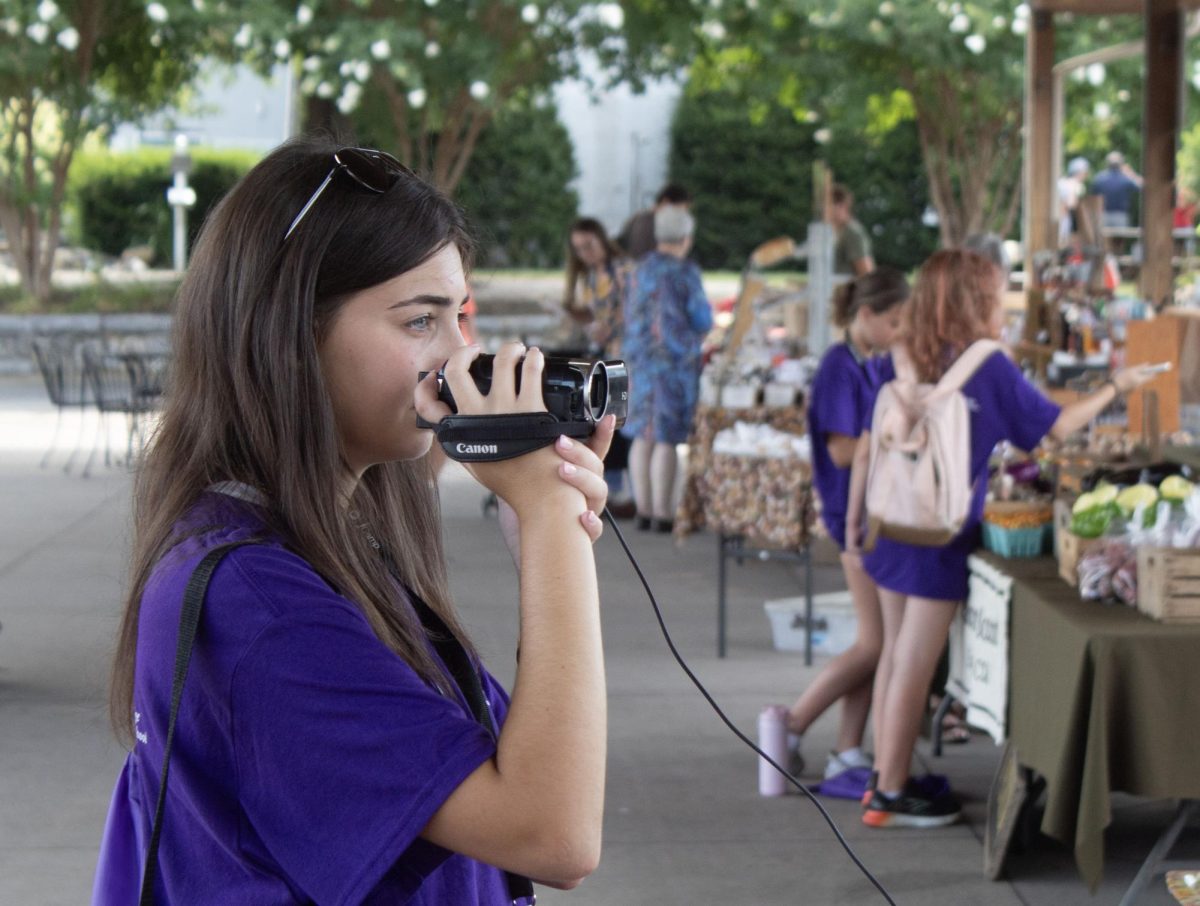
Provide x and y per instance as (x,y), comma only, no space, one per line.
(490,438)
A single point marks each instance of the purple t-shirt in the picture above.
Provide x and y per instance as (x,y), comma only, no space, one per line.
(1003,406)
(308,757)
(843,392)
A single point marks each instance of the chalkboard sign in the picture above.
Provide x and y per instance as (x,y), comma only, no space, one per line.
(1005,799)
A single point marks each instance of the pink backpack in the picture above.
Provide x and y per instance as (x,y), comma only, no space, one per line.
(919,479)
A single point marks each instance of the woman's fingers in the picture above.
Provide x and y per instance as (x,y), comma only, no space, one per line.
(429,407)
(504,377)
(466,395)
(580,454)
(530,397)
(582,469)
(601,439)
(592,524)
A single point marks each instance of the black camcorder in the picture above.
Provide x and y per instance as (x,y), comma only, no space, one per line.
(578,393)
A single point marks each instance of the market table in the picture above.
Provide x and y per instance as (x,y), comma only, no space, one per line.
(760,507)
(1102,699)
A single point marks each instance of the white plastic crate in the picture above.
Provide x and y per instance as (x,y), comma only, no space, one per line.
(833,623)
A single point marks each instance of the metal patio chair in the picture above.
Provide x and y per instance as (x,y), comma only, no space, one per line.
(126,383)
(66,385)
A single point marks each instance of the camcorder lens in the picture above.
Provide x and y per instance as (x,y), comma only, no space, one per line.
(608,390)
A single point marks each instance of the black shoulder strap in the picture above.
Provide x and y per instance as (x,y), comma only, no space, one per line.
(189,622)
(457,661)
(461,667)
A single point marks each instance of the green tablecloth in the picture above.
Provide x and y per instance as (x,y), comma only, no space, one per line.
(1102,699)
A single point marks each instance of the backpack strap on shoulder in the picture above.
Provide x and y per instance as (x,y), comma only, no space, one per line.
(966,365)
(903,363)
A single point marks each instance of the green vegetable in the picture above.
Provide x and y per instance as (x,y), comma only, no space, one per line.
(1093,522)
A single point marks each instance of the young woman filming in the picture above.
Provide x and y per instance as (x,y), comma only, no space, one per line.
(325,751)
(870,309)
(955,301)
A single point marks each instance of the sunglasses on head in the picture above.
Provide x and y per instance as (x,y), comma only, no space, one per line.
(375,171)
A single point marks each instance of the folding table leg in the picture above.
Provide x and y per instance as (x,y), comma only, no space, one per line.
(1187,809)
(721,553)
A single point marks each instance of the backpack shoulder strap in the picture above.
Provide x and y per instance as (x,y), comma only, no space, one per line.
(966,365)
(903,364)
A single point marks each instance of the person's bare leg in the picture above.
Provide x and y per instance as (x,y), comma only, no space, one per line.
(639,475)
(918,646)
(891,609)
(849,674)
(662,480)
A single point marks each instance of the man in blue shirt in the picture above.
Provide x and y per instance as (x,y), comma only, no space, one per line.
(1118,184)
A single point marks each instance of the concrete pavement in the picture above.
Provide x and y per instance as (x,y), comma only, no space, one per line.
(684,822)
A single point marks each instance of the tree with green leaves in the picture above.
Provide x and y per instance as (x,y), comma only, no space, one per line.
(443,68)
(955,69)
(67,73)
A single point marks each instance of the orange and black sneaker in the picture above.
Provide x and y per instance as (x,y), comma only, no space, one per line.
(912,808)
(870,790)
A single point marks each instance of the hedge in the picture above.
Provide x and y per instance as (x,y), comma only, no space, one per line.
(516,190)
(753,181)
(118,199)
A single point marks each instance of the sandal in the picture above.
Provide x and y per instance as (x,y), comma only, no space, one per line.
(955,730)
(954,733)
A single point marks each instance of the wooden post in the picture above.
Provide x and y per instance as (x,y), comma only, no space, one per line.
(1041,208)
(1161,118)
(1041,199)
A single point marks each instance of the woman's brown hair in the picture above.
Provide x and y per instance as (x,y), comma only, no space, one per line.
(576,268)
(880,290)
(247,400)
(955,294)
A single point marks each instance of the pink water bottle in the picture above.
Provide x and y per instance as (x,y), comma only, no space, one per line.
(772,739)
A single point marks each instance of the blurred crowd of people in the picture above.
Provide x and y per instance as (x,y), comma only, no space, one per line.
(646,304)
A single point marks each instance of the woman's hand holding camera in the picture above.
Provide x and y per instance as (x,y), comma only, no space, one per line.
(518,482)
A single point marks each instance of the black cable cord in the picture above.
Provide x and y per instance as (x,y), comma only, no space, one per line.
(725,719)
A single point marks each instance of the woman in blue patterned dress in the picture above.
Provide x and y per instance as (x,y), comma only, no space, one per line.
(666,320)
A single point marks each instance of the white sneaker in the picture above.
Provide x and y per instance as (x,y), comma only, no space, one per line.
(852,758)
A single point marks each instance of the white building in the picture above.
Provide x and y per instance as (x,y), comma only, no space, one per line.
(621,141)
(231,107)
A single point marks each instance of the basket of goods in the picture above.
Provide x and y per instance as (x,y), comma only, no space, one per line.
(1138,545)
(1018,517)
(1017,528)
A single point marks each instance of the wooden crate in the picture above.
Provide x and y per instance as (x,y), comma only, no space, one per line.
(1069,547)
(1169,584)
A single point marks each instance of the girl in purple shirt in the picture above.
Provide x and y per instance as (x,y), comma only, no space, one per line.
(325,751)
(956,300)
(869,309)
